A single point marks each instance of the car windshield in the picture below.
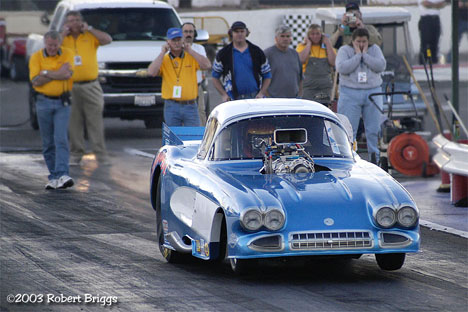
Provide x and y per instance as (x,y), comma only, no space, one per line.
(239,140)
(133,23)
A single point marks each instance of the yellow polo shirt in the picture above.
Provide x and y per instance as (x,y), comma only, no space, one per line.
(85,46)
(40,61)
(187,77)
(315,51)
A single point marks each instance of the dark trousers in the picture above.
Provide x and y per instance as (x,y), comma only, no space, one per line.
(429,32)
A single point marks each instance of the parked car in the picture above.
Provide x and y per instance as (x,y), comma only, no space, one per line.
(12,54)
(271,178)
(138,29)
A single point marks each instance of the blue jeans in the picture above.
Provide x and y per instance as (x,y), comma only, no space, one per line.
(355,102)
(176,114)
(53,118)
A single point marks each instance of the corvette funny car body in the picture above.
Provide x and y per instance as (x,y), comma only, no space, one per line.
(276,178)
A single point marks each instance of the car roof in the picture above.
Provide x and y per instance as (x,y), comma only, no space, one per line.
(370,15)
(242,109)
(85,4)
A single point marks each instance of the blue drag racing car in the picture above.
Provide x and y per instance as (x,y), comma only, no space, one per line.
(274,178)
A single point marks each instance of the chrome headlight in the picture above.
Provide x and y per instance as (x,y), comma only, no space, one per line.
(252,220)
(385,217)
(407,216)
(102,65)
(274,219)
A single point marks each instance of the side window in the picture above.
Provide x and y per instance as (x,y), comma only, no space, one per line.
(210,130)
(56,21)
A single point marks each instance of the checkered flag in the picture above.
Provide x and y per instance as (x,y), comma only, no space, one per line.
(298,24)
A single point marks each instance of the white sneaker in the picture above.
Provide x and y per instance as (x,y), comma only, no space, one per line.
(64,182)
(51,185)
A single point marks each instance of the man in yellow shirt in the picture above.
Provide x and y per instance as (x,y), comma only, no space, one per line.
(178,70)
(50,72)
(88,101)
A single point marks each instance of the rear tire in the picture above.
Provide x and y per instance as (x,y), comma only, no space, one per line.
(390,262)
(171,256)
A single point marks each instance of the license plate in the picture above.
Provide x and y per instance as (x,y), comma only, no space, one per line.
(145,100)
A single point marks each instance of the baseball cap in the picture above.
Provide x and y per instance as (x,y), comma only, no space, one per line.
(174,33)
(352,6)
(238,25)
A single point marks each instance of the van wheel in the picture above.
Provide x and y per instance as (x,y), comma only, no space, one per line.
(153,123)
(18,69)
(32,110)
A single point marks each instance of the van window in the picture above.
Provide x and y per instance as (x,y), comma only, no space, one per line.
(132,23)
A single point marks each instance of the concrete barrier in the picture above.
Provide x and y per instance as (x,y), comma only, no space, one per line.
(452,158)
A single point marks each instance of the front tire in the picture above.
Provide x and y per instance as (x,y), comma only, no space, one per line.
(390,262)
(242,266)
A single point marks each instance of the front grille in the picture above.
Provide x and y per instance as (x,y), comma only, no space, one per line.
(330,240)
(147,84)
(118,84)
(128,65)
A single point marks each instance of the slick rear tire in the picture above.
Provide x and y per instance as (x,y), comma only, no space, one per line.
(171,256)
(390,262)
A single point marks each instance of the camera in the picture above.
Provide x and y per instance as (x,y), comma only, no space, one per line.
(351,17)
(66,98)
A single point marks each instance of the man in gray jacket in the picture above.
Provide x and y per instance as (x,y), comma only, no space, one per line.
(360,66)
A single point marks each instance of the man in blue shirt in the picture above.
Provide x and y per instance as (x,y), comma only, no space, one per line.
(241,69)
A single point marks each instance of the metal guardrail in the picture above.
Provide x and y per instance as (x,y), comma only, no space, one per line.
(451,157)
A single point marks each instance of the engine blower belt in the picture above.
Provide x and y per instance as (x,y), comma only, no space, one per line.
(409,154)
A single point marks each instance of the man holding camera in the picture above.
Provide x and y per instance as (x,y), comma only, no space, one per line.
(351,20)
(87,98)
(50,71)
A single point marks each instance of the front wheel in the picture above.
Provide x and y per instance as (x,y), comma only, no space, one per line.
(242,266)
(390,262)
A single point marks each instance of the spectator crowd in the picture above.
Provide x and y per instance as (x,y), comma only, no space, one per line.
(241,70)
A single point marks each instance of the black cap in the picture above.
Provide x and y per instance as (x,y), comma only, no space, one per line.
(238,25)
(352,6)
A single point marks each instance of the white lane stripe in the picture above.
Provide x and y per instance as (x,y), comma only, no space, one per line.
(428,224)
(133,151)
(443,228)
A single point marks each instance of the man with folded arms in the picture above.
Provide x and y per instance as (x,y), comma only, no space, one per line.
(50,72)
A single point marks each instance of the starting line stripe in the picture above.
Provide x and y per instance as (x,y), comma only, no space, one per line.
(443,228)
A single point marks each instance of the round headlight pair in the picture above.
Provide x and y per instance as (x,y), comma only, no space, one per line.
(387,217)
(254,219)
